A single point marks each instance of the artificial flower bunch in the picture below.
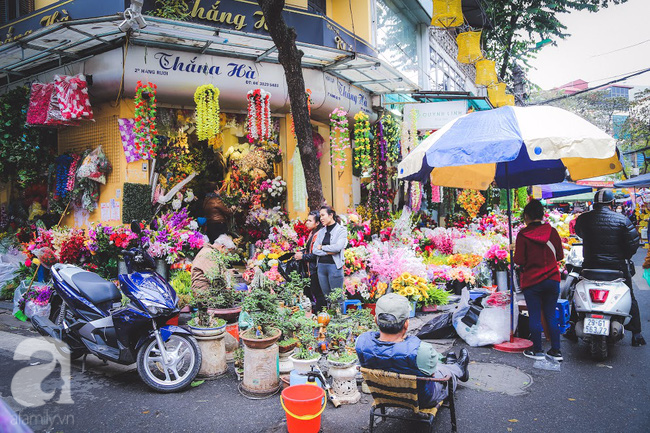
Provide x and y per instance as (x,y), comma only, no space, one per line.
(466,260)
(438,274)
(389,262)
(411,286)
(392,136)
(362,159)
(145,119)
(339,138)
(175,236)
(462,274)
(354,260)
(471,200)
(358,231)
(376,289)
(208,123)
(498,258)
(259,115)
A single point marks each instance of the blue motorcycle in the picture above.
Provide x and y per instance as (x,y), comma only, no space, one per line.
(89,317)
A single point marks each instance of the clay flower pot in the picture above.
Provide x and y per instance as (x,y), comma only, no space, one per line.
(249,339)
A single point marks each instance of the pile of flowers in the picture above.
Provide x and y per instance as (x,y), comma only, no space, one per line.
(358,231)
(355,260)
(411,286)
(498,258)
(176,236)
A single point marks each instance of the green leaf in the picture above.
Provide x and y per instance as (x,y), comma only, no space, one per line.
(196,383)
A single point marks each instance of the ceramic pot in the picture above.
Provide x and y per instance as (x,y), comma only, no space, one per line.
(344,383)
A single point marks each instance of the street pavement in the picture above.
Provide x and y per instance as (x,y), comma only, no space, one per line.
(505,393)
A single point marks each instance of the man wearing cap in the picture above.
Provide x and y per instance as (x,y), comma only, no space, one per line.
(391,349)
(609,242)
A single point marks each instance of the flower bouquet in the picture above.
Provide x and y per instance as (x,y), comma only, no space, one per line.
(411,286)
(498,258)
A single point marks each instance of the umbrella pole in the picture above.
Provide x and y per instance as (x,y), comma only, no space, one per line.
(511,285)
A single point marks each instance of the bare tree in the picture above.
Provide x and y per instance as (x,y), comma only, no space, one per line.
(290,58)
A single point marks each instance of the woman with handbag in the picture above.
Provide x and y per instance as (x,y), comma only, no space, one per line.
(309,261)
(537,250)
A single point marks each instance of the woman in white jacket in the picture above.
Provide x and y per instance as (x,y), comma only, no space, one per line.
(329,246)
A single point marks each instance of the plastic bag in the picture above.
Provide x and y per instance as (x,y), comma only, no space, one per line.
(492,327)
(439,327)
(18,295)
(95,166)
(39,103)
(33,309)
(72,95)
(547,363)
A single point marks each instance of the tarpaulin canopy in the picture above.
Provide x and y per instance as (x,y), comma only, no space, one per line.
(642,181)
(563,189)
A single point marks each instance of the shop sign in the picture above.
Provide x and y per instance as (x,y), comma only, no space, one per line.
(246,16)
(435,115)
(596,183)
(177,74)
(58,12)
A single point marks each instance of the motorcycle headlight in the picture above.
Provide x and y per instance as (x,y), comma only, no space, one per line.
(154,308)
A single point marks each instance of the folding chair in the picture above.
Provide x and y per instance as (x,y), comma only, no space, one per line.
(390,389)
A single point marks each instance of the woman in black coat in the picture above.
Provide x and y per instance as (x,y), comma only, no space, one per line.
(310,261)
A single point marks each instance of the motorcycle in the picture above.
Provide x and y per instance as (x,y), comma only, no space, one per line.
(88,317)
(601,301)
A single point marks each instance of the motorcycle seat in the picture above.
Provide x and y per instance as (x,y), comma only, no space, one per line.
(602,274)
(96,289)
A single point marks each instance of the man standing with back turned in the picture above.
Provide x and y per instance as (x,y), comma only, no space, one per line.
(609,241)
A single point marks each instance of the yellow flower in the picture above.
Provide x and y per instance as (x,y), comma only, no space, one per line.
(273,256)
(261,257)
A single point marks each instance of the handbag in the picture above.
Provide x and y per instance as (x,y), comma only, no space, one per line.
(287,264)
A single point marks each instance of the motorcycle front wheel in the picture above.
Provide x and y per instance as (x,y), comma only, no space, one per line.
(182,366)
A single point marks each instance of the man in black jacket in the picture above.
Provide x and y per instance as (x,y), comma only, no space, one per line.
(609,241)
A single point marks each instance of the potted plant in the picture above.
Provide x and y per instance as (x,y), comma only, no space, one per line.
(306,354)
(437,297)
(261,376)
(225,300)
(209,331)
(181,281)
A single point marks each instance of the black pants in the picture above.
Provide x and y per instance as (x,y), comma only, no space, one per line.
(215,230)
(316,293)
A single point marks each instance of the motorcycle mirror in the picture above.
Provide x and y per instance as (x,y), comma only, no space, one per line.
(135,227)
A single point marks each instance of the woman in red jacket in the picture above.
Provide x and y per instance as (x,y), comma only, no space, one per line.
(537,251)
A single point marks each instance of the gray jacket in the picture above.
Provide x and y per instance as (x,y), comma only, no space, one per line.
(338,242)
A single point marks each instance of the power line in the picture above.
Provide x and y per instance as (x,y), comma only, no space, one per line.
(621,49)
(643,71)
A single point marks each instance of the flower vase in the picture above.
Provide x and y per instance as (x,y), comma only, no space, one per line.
(414,305)
(502,281)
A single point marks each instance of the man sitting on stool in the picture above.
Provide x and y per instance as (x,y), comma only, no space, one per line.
(391,350)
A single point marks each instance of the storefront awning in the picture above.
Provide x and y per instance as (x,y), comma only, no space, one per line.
(74,40)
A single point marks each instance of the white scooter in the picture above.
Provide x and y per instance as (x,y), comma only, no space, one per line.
(602,302)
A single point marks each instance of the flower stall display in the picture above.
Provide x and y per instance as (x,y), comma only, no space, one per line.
(175,237)
(259,115)
(379,190)
(206,98)
(145,119)
(471,201)
(498,258)
(411,286)
(339,138)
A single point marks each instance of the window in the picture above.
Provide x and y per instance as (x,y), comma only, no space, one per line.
(12,9)
(397,39)
(317,6)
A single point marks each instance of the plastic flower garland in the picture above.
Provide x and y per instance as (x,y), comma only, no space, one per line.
(259,115)
(392,136)
(339,138)
(309,104)
(362,141)
(206,98)
(145,120)
(379,198)
(471,200)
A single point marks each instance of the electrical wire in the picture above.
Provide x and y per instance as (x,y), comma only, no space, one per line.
(621,49)
(559,98)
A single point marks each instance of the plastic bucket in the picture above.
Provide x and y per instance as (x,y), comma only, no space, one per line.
(233,329)
(304,405)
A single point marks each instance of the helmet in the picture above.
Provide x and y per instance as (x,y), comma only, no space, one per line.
(604,196)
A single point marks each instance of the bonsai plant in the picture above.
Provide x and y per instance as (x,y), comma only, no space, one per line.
(262,304)
(306,335)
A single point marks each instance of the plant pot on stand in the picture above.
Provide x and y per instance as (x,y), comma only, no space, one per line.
(344,384)
(300,369)
(213,351)
(286,364)
(261,378)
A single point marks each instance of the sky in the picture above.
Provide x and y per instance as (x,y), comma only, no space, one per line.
(587,53)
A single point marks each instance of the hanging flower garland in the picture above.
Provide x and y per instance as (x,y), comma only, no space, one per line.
(206,98)
(416,196)
(392,135)
(414,127)
(309,103)
(145,120)
(259,115)
(339,138)
(63,163)
(362,159)
(72,174)
(471,200)
(378,188)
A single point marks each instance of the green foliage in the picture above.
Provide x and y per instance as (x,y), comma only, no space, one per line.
(220,293)
(137,203)
(518,25)
(181,281)
(335,299)
(23,273)
(206,320)
(171,9)
(306,336)
(262,305)
(437,296)
(342,357)
(635,132)
(25,152)
(291,291)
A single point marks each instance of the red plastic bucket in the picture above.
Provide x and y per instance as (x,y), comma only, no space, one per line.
(233,329)
(304,405)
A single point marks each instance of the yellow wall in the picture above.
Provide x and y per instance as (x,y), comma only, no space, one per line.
(361,16)
(105,132)
(38,4)
(297,3)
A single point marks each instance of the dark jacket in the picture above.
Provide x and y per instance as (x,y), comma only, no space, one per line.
(609,238)
(535,256)
(309,258)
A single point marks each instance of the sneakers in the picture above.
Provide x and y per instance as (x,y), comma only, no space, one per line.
(555,354)
(533,355)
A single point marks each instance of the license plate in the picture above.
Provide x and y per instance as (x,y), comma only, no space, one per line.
(596,326)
